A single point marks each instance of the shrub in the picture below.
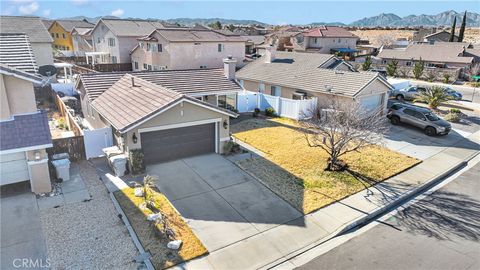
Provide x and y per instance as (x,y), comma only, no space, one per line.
(270,112)
(431,75)
(392,67)
(452,117)
(231,147)
(136,161)
(418,69)
(433,96)
(256,112)
(455,110)
(446,77)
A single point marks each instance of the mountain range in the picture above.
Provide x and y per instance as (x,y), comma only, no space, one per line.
(384,19)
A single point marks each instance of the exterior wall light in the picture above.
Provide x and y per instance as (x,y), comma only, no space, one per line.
(225,124)
(134,138)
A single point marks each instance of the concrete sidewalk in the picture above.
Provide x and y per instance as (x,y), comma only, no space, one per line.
(283,242)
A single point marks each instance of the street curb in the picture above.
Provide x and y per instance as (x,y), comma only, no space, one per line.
(374,214)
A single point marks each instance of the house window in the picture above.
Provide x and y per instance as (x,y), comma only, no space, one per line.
(339,40)
(114,59)
(111,42)
(220,47)
(149,67)
(149,47)
(276,90)
(56,46)
(68,48)
(384,62)
(227,101)
(53,35)
(408,63)
(261,88)
(135,65)
(196,43)
(203,67)
(56,35)
(145,66)
(64,36)
(159,47)
(98,40)
(315,40)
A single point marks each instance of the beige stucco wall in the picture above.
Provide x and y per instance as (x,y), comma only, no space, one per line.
(19,95)
(324,45)
(39,177)
(43,53)
(174,115)
(4,107)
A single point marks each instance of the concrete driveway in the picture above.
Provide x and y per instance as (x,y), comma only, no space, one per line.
(413,142)
(220,202)
(21,233)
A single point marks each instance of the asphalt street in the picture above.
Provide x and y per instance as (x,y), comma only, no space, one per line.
(441,231)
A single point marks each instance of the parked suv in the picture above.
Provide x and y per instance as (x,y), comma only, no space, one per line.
(419,117)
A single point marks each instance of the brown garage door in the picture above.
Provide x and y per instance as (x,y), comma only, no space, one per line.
(171,144)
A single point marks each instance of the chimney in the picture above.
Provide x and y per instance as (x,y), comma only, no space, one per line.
(270,54)
(229,65)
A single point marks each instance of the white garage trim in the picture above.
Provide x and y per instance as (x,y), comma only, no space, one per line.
(225,139)
(188,124)
(179,125)
(24,149)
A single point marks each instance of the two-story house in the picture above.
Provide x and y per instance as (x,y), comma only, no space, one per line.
(33,27)
(325,39)
(113,39)
(186,49)
(61,32)
(24,130)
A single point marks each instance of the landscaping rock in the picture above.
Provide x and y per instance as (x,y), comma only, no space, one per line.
(175,245)
(153,217)
(139,192)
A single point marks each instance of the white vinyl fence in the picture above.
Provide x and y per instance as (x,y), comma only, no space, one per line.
(284,107)
(95,140)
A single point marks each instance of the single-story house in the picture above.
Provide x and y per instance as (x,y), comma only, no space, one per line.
(169,114)
(305,75)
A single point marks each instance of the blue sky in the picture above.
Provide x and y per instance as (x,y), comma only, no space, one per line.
(274,12)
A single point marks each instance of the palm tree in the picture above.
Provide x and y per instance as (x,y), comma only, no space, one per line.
(433,96)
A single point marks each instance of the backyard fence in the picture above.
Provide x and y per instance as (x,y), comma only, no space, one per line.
(69,119)
(284,107)
(74,146)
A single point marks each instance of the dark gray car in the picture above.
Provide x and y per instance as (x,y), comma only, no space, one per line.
(419,117)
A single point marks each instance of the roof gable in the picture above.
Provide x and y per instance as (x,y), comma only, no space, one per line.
(69,25)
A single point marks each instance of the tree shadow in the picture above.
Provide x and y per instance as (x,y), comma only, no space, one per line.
(443,215)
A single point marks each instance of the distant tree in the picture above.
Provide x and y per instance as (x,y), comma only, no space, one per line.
(462,27)
(368,63)
(231,27)
(392,68)
(216,25)
(452,33)
(418,69)
(386,41)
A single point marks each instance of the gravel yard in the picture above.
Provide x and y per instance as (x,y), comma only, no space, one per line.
(88,235)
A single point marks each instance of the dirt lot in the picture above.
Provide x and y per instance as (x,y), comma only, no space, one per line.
(471,34)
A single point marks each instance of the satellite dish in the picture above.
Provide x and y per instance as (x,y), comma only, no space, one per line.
(47,70)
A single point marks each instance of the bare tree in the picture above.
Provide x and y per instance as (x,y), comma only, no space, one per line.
(474,69)
(340,127)
(386,40)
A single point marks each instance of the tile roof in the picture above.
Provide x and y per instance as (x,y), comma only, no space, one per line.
(329,31)
(83,30)
(190,82)
(188,35)
(255,39)
(132,99)
(133,28)
(444,52)
(25,131)
(16,52)
(68,25)
(300,71)
(33,27)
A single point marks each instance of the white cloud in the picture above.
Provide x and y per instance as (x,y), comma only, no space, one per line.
(117,12)
(80,2)
(28,9)
(46,12)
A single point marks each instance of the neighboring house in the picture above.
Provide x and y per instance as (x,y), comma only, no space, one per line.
(168,114)
(282,39)
(443,55)
(253,43)
(82,40)
(186,49)
(303,75)
(114,39)
(24,130)
(33,27)
(442,36)
(61,32)
(326,39)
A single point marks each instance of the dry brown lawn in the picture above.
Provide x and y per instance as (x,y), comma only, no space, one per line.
(151,236)
(296,172)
